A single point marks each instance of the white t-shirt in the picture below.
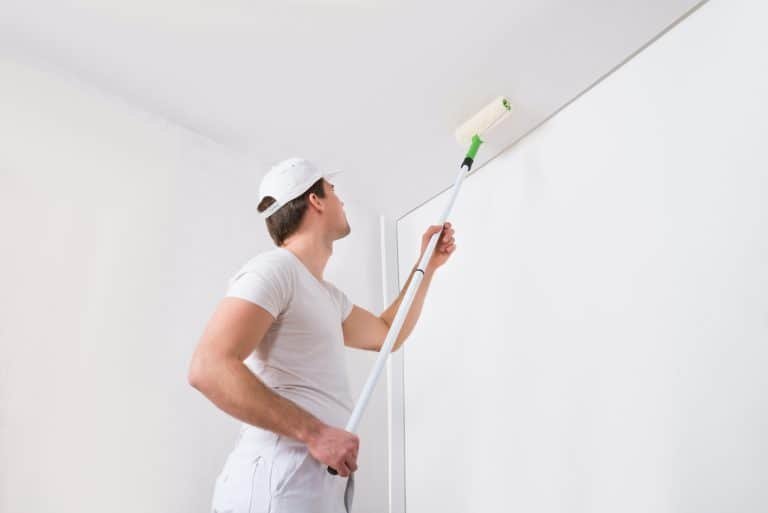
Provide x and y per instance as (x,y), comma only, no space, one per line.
(302,354)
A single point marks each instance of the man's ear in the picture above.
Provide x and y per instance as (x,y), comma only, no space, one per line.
(314,201)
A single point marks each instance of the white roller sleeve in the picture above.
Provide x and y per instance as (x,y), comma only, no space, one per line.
(490,116)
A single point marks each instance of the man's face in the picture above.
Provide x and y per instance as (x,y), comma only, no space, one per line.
(337,218)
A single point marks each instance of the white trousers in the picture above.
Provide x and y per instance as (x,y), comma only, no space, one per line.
(271,473)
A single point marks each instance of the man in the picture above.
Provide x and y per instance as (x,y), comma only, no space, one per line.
(272,353)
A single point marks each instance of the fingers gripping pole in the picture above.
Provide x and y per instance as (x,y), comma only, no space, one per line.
(400,316)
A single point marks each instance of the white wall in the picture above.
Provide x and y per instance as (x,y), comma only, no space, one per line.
(119,231)
(598,341)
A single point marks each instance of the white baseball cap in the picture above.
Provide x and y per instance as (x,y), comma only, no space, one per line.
(288,180)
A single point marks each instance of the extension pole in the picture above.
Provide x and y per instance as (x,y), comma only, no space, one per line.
(405,305)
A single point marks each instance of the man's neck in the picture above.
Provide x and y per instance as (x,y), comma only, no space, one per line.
(313,253)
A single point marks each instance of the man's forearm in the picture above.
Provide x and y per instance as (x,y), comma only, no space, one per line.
(415,311)
(232,387)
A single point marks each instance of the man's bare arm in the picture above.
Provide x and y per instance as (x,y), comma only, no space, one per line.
(232,387)
(217,370)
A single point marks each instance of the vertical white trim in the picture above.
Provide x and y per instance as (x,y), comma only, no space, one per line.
(396,421)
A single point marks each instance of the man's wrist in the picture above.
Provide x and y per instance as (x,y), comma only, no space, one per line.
(310,430)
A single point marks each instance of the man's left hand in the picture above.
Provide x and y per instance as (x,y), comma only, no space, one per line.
(446,244)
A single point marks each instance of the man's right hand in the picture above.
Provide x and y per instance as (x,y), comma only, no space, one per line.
(336,448)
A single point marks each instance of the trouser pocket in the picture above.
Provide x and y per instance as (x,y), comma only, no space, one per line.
(289,462)
(236,488)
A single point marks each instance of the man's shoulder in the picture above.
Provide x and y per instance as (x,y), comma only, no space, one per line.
(273,261)
(274,255)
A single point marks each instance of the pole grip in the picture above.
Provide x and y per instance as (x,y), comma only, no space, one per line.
(476,141)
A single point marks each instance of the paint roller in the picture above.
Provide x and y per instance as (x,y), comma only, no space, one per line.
(467,134)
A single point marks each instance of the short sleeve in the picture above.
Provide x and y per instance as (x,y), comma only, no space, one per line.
(263,283)
(344,302)
(346,306)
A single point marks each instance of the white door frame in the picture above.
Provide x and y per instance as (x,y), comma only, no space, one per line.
(395,398)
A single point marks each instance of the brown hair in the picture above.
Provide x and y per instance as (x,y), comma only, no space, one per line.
(287,219)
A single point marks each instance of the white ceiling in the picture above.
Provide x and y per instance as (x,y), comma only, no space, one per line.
(375,88)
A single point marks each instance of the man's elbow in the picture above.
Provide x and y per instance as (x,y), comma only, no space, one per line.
(195,379)
(198,375)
